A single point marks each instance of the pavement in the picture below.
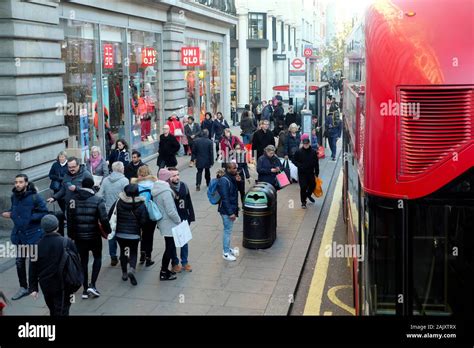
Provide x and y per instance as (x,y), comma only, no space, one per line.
(260,282)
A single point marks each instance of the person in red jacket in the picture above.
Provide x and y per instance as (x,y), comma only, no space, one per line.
(227,146)
(176,127)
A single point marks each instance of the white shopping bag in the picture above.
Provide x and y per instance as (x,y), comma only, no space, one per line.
(182,234)
(97,180)
(293,168)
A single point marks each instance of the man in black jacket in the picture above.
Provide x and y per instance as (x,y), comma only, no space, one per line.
(306,159)
(168,148)
(203,155)
(262,138)
(184,205)
(46,268)
(131,169)
(86,216)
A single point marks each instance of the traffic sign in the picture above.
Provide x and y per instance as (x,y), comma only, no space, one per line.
(297,64)
(308,52)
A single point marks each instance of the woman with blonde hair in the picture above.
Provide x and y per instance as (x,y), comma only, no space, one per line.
(145,182)
(96,163)
(56,174)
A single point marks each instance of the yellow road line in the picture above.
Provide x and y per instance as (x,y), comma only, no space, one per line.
(334,299)
(316,289)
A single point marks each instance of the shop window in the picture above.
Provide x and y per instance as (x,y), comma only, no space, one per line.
(257,26)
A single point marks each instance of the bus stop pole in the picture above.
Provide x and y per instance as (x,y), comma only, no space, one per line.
(307,83)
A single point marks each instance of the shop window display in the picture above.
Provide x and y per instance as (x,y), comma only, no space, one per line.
(197,81)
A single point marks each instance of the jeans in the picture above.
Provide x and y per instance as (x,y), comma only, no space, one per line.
(83,248)
(246,139)
(131,258)
(207,176)
(228,225)
(184,256)
(113,247)
(332,146)
(307,185)
(21,271)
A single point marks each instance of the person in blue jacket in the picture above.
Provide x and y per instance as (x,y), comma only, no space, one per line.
(268,166)
(333,131)
(26,212)
(218,126)
(228,207)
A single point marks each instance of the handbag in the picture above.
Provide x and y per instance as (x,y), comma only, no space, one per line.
(282,180)
(181,234)
(154,212)
(113,222)
(102,231)
(178,132)
(318,188)
(321,152)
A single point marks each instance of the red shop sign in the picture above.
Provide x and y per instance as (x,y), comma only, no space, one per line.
(190,56)
(148,56)
(108,56)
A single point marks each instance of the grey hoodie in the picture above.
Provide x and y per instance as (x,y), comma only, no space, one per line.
(110,188)
(164,198)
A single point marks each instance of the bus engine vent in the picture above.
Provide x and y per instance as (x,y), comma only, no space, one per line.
(434,125)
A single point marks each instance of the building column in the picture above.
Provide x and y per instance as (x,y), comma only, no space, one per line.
(267,63)
(243,63)
(174,84)
(32,130)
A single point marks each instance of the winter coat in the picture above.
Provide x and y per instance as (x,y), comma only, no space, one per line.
(131,170)
(183,202)
(69,180)
(260,141)
(145,184)
(56,174)
(264,167)
(218,127)
(227,188)
(307,161)
(111,187)
(27,210)
(203,153)
(282,137)
(207,124)
(247,125)
(131,217)
(164,197)
(101,170)
(85,211)
(168,148)
(45,267)
(267,112)
(175,124)
(279,116)
(333,127)
(292,144)
(194,129)
(119,156)
(227,147)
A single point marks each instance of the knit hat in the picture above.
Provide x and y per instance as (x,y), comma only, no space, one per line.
(131,190)
(87,182)
(305,138)
(49,223)
(165,174)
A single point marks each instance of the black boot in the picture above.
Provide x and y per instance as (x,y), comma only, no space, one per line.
(142,257)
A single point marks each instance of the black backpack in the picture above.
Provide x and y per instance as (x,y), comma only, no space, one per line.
(70,268)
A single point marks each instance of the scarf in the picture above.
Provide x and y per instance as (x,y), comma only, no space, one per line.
(95,162)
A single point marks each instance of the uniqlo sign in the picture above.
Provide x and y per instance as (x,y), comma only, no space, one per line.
(148,56)
(108,56)
(190,56)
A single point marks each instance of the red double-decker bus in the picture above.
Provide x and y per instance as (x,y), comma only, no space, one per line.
(409,157)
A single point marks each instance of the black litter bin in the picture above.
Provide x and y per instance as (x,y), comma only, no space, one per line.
(259,218)
(273,191)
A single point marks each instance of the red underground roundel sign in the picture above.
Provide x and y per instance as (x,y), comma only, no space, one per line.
(297,63)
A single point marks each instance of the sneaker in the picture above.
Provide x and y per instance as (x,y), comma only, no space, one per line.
(149,262)
(85,295)
(176,269)
(187,268)
(229,257)
(93,291)
(167,276)
(303,205)
(114,260)
(131,275)
(125,276)
(234,251)
(21,293)
(198,188)
(311,199)
(142,258)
